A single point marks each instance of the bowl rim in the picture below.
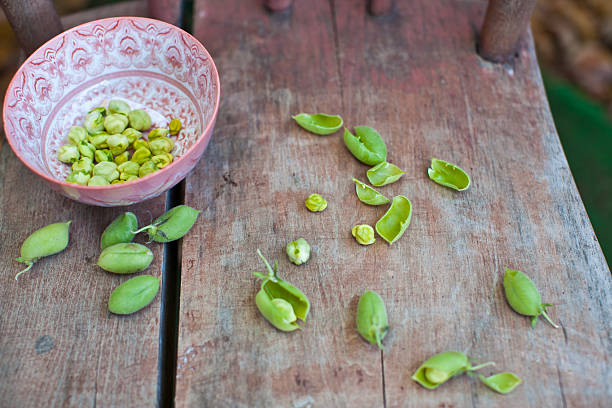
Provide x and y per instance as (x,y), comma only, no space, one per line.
(146,178)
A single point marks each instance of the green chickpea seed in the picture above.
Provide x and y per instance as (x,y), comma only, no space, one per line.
(100,140)
(103,155)
(523,296)
(125,258)
(94,122)
(319,123)
(117,143)
(161,145)
(364,234)
(106,169)
(118,106)
(162,160)
(78,178)
(121,230)
(76,135)
(115,123)
(48,240)
(87,150)
(147,168)
(100,109)
(132,135)
(157,133)
(129,168)
(122,158)
(174,126)
(97,181)
(84,165)
(298,251)
(315,203)
(68,154)
(140,143)
(141,155)
(133,294)
(139,120)
(372,321)
(279,302)
(172,225)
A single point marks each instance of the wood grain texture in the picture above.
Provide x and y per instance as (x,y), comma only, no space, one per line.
(59,346)
(415,76)
(506,21)
(33,21)
(251,185)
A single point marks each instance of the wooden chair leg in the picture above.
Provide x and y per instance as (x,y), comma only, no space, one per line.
(33,21)
(278,5)
(166,10)
(380,7)
(504,23)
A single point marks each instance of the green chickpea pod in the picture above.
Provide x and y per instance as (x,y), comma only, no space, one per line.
(46,241)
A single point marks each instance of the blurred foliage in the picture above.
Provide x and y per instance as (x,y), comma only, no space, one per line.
(585,131)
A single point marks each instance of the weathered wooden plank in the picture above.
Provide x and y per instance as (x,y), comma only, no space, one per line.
(59,346)
(251,185)
(415,76)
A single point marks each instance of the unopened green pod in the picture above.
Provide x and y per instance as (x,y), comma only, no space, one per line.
(173,225)
(443,366)
(280,302)
(125,258)
(395,221)
(46,241)
(319,123)
(120,230)
(133,294)
(372,321)
(524,297)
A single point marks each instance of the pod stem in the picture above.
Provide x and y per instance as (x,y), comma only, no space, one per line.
(271,271)
(148,227)
(479,366)
(378,339)
(30,264)
(549,321)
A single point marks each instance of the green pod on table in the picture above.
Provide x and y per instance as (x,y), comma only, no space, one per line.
(319,123)
(173,225)
(372,321)
(448,175)
(280,302)
(443,366)
(523,296)
(366,145)
(48,240)
(133,294)
(395,221)
(502,383)
(124,258)
(120,230)
(368,195)
(384,173)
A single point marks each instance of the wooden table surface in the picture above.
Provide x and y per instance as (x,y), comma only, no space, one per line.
(415,76)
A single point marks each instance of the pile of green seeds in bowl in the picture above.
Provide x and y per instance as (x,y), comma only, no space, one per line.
(110,149)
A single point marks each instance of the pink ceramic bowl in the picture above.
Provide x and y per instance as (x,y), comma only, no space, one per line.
(148,63)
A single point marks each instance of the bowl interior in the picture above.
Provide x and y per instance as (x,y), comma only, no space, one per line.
(147,63)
